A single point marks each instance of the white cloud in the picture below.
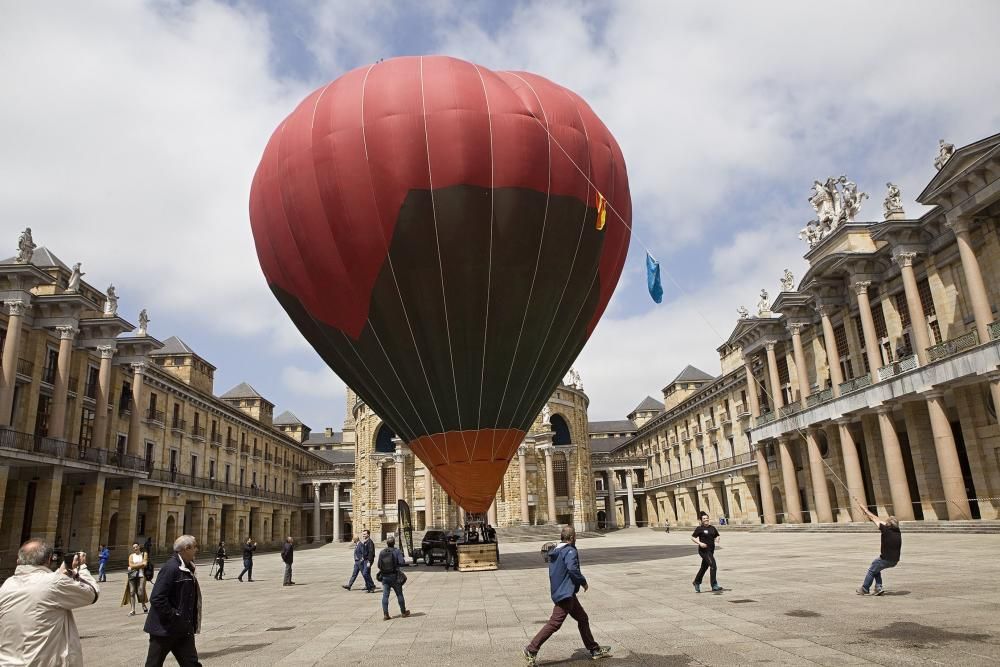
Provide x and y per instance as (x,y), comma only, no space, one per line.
(320,382)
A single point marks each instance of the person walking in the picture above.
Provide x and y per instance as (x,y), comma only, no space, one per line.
(134,588)
(103,556)
(565,581)
(707,537)
(287,554)
(368,548)
(36,608)
(892,544)
(175,617)
(220,560)
(390,560)
(248,548)
(359,557)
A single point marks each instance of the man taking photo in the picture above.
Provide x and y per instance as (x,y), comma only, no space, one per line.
(36,608)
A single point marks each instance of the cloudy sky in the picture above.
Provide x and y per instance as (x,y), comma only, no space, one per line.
(130,133)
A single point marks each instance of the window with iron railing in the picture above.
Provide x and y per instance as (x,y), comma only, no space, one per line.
(86,427)
(560,475)
(388,486)
(843,351)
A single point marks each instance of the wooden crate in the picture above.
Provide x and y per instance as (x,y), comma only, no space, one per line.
(477,557)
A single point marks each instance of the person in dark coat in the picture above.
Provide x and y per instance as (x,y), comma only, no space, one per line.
(451,559)
(565,581)
(175,614)
(359,557)
(287,554)
(366,565)
(707,537)
(390,560)
(248,548)
(220,560)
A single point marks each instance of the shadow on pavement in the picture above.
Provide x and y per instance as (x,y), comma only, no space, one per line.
(599,556)
(581,657)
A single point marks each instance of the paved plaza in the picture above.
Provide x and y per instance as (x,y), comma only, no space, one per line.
(788,599)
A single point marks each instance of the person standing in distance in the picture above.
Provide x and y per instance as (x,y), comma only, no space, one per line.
(175,616)
(368,548)
(36,608)
(220,560)
(248,548)
(287,555)
(103,555)
(707,537)
(565,581)
(892,544)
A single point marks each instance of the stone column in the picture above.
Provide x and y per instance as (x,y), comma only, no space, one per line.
(11,350)
(800,361)
(772,368)
(947,457)
(868,328)
(128,512)
(491,515)
(824,513)
(793,508)
(428,498)
(612,508)
(754,406)
(832,355)
(630,514)
(103,392)
(48,493)
(336,511)
(766,497)
(918,321)
(973,277)
(550,486)
(899,489)
(317,513)
(522,460)
(852,469)
(135,442)
(57,420)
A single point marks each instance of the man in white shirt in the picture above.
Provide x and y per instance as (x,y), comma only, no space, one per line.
(36,617)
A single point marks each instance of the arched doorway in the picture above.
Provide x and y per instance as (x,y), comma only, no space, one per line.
(602,519)
(211,531)
(242,533)
(267,530)
(171,530)
(561,434)
(113,530)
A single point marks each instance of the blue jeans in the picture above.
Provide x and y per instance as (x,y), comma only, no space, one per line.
(100,571)
(391,582)
(354,574)
(247,569)
(366,572)
(875,573)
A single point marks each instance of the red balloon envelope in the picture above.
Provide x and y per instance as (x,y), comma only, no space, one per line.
(446,237)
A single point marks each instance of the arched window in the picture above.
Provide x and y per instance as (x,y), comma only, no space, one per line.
(383,441)
(561,436)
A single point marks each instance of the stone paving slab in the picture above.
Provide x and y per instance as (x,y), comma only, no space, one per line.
(789,600)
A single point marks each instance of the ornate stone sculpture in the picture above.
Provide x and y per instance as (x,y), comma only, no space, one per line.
(546,415)
(945,151)
(788,282)
(835,201)
(892,207)
(743,312)
(143,323)
(111,305)
(577,381)
(25,247)
(764,305)
(73,286)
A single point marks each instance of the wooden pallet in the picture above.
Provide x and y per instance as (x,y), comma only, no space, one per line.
(477,557)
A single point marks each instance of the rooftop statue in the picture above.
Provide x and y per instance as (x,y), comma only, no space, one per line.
(892,207)
(788,282)
(143,323)
(111,305)
(945,151)
(743,312)
(25,247)
(764,305)
(835,201)
(73,285)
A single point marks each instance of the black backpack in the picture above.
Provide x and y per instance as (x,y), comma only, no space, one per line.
(387,562)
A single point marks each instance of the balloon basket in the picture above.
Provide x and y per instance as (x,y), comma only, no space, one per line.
(478,557)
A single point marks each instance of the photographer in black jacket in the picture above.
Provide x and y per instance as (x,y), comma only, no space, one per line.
(175,614)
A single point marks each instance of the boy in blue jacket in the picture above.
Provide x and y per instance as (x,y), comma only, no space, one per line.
(565,581)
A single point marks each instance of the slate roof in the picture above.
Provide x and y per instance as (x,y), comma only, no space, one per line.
(337,456)
(321,438)
(607,445)
(43,258)
(172,346)
(242,390)
(692,374)
(614,426)
(287,418)
(649,404)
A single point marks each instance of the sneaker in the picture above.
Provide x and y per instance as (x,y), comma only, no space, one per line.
(697,588)
(386,617)
(879,591)
(405,613)
(530,658)
(862,591)
(131,613)
(717,587)
(600,652)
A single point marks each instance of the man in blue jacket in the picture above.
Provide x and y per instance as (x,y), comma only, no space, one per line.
(565,581)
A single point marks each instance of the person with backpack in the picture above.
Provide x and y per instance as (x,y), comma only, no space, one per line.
(565,581)
(390,560)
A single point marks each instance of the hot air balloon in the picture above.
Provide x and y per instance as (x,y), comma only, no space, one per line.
(446,237)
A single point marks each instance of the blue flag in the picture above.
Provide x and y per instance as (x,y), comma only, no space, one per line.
(653,279)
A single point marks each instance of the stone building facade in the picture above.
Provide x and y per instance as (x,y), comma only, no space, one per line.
(872,382)
(549,481)
(109,435)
